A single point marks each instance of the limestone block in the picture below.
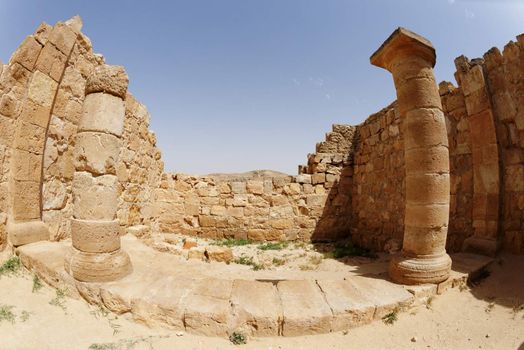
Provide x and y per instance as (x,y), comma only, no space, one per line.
(54,195)
(207,307)
(27,232)
(96,152)
(51,62)
(30,137)
(26,166)
(27,53)
(63,37)
(255,187)
(316,199)
(42,32)
(109,79)
(8,105)
(350,306)
(428,188)
(425,128)
(318,178)
(304,308)
(42,89)
(26,200)
(94,198)
(103,112)
(238,187)
(97,267)
(34,113)
(219,254)
(95,236)
(303,179)
(256,305)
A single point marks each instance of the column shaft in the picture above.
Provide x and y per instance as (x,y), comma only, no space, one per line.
(410,59)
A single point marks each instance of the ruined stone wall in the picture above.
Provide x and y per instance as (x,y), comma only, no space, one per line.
(461,166)
(265,205)
(379,184)
(352,186)
(41,97)
(485,125)
(505,79)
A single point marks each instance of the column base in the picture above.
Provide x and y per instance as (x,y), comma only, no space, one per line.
(97,267)
(481,246)
(411,270)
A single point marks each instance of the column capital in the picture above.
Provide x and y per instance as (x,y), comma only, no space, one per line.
(400,44)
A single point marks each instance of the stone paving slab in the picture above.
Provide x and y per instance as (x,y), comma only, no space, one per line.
(304,307)
(206,299)
(385,295)
(349,305)
(256,308)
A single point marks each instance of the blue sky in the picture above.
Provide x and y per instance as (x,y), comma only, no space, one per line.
(238,85)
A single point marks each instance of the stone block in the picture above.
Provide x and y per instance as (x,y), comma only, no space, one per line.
(103,112)
(95,236)
(42,32)
(255,187)
(51,62)
(207,307)
(219,254)
(238,187)
(27,203)
(42,89)
(27,53)
(54,194)
(63,37)
(318,178)
(26,166)
(109,79)
(256,306)
(34,113)
(96,267)
(304,308)
(30,137)
(27,232)
(350,305)
(8,104)
(96,152)
(94,198)
(303,179)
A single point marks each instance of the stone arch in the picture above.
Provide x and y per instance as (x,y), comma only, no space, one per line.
(485,155)
(42,58)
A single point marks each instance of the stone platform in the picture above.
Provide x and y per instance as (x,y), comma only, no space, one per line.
(216,299)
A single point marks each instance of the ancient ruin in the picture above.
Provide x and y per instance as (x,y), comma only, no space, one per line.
(434,183)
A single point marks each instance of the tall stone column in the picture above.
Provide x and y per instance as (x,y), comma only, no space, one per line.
(411,58)
(96,255)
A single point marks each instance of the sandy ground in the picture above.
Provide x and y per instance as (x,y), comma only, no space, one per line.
(484,317)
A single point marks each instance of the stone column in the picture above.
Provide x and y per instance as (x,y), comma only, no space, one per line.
(411,58)
(96,255)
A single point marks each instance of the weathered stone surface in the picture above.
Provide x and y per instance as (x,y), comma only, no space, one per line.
(95,236)
(96,152)
(94,198)
(350,305)
(27,232)
(109,79)
(103,112)
(96,267)
(27,53)
(304,308)
(256,306)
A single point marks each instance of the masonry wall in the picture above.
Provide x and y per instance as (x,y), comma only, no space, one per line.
(265,205)
(41,98)
(505,79)
(351,187)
